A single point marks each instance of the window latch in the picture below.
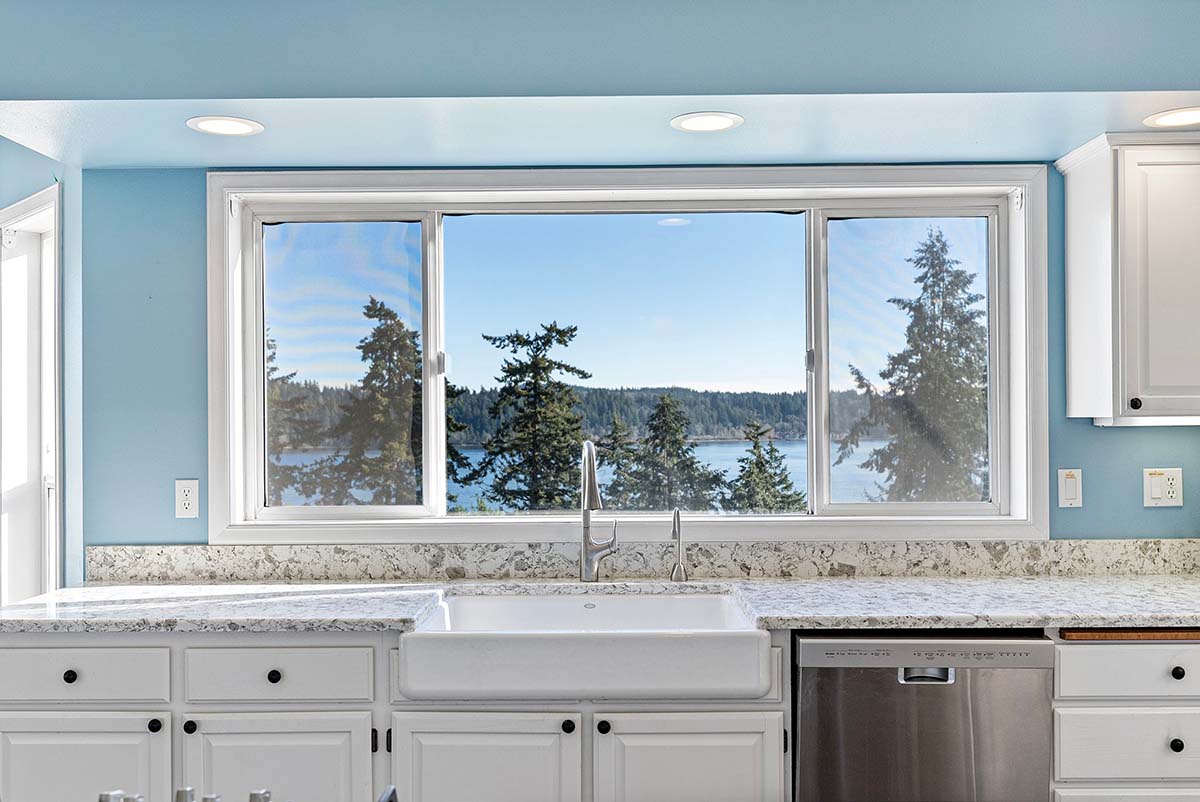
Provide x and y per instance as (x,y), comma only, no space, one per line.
(810,360)
(441,363)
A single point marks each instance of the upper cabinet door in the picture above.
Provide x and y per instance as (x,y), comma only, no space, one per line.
(497,757)
(72,756)
(685,757)
(1159,298)
(304,757)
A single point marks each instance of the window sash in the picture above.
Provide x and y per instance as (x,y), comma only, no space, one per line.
(971,191)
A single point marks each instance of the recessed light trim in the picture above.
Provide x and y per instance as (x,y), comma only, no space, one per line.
(1174,118)
(697,122)
(222,125)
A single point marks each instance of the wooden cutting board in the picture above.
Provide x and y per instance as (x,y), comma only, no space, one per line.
(1170,633)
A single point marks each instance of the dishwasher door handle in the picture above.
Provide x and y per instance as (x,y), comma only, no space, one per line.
(926,675)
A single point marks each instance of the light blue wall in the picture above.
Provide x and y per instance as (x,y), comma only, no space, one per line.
(22,173)
(465,48)
(1111,458)
(144,370)
(145,380)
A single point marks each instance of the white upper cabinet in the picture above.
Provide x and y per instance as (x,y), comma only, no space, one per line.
(1133,279)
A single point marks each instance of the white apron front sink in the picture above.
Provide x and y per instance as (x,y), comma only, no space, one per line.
(585,646)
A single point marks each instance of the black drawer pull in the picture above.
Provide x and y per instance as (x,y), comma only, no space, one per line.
(154,725)
(274,675)
(189,726)
(1176,744)
(568,726)
(70,675)
(1178,672)
(604,727)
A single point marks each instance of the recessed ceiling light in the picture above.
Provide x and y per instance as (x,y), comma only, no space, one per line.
(674,221)
(225,126)
(702,121)
(1174,118)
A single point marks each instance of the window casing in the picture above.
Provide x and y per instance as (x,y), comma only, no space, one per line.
(1012,199)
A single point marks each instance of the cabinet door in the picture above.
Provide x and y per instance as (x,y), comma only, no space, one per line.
(302,757)
(487,757)
(67,756)
(684,757)
(1159,281)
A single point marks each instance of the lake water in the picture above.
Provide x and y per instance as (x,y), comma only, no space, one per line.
(848,481)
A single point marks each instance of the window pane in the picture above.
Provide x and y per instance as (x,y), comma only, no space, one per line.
(676,342)
(343,355)
(908,375)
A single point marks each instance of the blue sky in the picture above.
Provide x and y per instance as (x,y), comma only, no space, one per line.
(709,301)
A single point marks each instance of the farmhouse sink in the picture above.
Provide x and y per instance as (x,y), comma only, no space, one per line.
(585,646)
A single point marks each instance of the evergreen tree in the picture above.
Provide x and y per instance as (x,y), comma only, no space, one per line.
(934,405)
(666,472)
(290,425)
(457,463)
(381,422)
(763,483)
(618,450)
(532,458)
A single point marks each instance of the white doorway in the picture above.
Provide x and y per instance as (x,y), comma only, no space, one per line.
(30,531)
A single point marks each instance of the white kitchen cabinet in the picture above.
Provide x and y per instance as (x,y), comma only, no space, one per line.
(72,757)
(683,757)
(1133,279)
(302,757)
(489,757)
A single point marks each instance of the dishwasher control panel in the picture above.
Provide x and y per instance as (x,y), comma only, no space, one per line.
(886,653)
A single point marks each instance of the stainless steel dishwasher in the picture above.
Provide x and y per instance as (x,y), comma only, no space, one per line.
(883,719)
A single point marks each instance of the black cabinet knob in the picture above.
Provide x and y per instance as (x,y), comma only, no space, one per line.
(1178,673)
(568,726)
(1176,744)
(1135,403)
(189,726)
(274,675)
(70,675)
(154,725)
(604,727)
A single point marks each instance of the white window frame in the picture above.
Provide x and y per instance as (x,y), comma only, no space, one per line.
(1013,197)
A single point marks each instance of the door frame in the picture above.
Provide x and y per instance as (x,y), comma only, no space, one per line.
(52,529)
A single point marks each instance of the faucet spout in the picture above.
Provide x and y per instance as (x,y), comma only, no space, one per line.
(591,550)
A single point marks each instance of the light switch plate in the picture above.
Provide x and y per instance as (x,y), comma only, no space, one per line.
(1162,487)
(1070,487)
(187,498)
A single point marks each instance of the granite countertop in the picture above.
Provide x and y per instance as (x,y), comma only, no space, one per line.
(882,602)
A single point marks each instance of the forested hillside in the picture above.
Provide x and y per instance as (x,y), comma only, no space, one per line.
(713,415)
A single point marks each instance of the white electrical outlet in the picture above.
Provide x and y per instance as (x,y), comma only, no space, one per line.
(1162,487)
(187,498)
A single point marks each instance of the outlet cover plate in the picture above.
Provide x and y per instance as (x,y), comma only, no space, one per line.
(187,498)
(1070,487)
(1162,487)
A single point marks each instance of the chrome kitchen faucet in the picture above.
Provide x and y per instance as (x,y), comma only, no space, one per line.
(591,551)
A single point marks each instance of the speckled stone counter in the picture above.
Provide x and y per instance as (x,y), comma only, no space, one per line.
(825,603)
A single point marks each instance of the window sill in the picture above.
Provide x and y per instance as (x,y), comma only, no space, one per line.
(633,528)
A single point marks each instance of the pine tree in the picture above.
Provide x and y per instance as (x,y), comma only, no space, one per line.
(532,459)
(666,472)
(618,450)
(763,484)
(290,425)
(381,423)
(934,405)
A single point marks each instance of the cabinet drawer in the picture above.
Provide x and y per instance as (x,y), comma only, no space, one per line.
(1096,670)
(85,675)
(1127,795)
(341,674)
(1127,743)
